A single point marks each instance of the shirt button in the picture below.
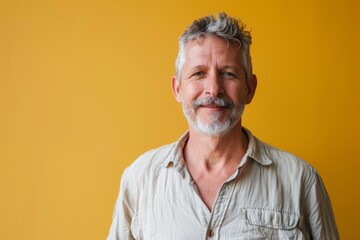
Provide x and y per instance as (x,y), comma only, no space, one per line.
(210,233)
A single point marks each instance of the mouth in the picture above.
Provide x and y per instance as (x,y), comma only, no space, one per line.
(212,104)
(213,107)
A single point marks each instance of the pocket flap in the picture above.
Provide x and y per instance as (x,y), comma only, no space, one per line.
(270,218)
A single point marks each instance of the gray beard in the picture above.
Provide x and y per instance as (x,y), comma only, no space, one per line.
(216,127)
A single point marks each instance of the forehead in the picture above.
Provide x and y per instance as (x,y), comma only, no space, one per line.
(213,49)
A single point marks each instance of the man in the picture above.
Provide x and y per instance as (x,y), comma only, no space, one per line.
(218,181)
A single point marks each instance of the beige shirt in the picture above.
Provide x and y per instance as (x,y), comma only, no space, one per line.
(272,195)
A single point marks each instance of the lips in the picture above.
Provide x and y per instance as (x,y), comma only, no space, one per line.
(212,106)
(212,102)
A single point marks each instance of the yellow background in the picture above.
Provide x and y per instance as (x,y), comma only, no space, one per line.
(85,88)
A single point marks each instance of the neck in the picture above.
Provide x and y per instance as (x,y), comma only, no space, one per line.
(216,152)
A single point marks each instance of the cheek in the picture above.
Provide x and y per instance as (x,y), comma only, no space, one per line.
(237,93)
(190,92)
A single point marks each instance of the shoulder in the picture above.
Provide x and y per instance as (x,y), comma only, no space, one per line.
(151,160)
(290,166)
(285,158)
(145,169)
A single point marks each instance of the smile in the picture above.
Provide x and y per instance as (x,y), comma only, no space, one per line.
(213,106)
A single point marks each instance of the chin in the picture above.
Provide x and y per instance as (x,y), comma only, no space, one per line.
(216,125)
(215,128)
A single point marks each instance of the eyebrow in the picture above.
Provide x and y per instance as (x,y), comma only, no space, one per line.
(204,66)
(236,68)
(230,66)
(198,67)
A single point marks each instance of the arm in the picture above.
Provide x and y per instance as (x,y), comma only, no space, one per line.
(319,214)
(123,212)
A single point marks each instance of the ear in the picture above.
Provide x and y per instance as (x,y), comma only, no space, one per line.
(175,84)
(252,84)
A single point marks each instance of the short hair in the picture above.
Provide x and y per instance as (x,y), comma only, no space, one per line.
(228,28)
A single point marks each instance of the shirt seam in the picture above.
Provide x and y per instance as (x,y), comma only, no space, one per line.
(126,187)
(313,181)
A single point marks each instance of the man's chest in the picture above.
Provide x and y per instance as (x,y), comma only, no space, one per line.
(173,209)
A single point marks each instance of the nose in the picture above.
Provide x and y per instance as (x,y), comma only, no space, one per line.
(214,85)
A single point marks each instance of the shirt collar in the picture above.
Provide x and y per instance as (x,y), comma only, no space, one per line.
(175,157)
(256,151)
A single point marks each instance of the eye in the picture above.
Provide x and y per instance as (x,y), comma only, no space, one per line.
(198,74)
(227,74)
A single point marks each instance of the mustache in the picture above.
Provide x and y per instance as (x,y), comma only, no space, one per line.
(212,101)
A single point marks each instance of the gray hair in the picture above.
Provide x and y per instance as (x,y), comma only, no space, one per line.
(228,28)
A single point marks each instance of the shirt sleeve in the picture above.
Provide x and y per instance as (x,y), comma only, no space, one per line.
(320,217)
(123,212)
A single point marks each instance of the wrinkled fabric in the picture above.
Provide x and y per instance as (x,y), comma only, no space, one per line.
(272,195)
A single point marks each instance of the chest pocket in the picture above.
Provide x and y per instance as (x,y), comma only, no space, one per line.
(269,224)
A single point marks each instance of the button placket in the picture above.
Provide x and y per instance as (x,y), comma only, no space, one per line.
(220,208)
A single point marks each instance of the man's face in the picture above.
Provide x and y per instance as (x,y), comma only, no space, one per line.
(213,89)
